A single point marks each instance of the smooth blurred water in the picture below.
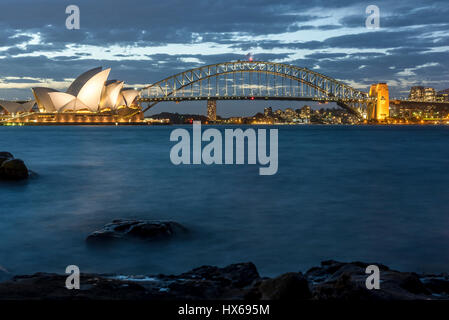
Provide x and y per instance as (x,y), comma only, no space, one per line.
(342,192)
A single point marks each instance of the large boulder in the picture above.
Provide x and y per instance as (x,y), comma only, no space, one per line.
(209,282)
(438,285)
(13,169)
(237,275)
(289,286)
(4,156)
(140,229)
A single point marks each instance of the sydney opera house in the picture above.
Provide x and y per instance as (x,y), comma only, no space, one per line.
(90,99)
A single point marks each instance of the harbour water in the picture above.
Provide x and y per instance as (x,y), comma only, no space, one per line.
(371,193)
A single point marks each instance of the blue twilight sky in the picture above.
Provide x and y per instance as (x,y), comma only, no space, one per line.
(145,41)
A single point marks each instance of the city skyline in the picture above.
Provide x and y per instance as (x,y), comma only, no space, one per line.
(329,37)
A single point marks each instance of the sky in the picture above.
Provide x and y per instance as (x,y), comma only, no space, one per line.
(146,41)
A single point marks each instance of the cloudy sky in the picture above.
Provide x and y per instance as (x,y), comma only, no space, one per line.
(145,41)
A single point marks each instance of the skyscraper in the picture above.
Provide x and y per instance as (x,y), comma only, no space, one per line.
(417,93)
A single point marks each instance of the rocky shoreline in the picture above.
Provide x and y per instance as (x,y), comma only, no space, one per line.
(332,280)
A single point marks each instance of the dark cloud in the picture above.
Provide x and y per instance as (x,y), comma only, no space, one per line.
(410,33)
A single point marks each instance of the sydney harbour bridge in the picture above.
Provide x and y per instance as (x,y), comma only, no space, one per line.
(256,80)
(236,80)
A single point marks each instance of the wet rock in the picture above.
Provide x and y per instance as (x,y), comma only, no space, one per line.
(408,281)
(13,169)
(4,156)
(208,282)
(45,286)
(289,286)
(345,287)
(237,275)
(201,283)
(346,281)
(436,284)
(3,159)
(331,281)
(140,229)
(333,269)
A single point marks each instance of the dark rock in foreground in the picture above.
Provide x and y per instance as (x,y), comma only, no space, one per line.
(201,283)
(346,281)
(289,286)
(5,156)
(331,281)
(12,169)
(141,229)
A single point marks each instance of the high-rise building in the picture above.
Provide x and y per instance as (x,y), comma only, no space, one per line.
(419,93)
(416,93)
(212,110)
(429,94)
(380,110)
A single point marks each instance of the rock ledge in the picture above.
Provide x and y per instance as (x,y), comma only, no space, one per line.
(331,281)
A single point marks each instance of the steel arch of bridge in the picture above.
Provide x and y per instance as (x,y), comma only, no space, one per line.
(235,80)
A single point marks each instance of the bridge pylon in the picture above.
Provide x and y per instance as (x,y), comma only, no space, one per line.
(379,109)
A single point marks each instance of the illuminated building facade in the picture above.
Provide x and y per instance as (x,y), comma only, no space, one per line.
(429,94)
(442,96)
(91,98)
(416,93)
(420,93)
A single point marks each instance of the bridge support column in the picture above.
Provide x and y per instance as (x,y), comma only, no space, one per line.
(212,109)
(380,109)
